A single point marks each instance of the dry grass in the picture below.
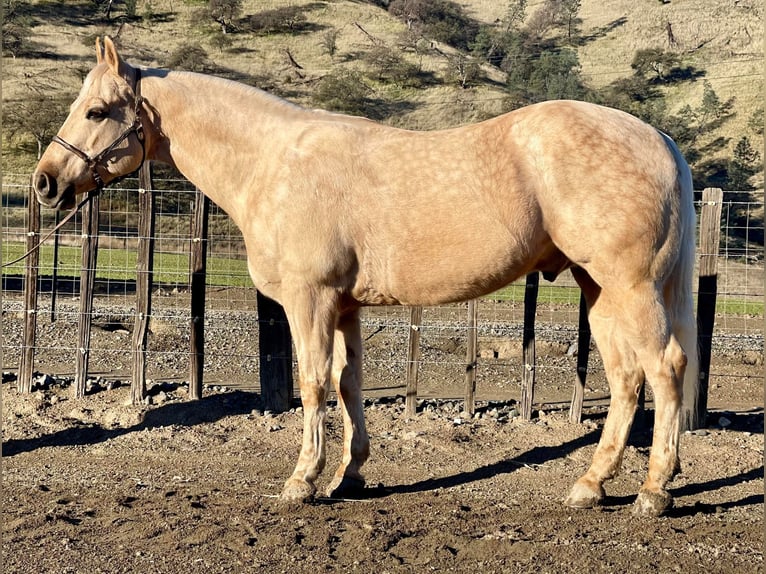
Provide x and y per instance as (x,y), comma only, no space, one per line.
(722,37)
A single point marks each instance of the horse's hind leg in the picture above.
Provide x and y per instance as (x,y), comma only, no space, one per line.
(625,378)
(665,366)
(313,314)
(347,378)
(642,321)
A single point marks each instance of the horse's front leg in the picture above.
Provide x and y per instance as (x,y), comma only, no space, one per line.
(313,315)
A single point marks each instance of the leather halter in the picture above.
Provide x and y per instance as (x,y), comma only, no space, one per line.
(135,128)
(93,162)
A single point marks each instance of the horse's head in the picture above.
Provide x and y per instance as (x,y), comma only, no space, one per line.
(101,140)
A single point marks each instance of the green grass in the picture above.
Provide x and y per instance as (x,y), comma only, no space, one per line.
(546,294)
(120,265)
(568,295)
(173,268)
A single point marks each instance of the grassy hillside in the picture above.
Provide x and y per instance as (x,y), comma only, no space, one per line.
(283,46)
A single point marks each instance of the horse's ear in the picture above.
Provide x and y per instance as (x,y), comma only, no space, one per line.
(113,59)
(99,51)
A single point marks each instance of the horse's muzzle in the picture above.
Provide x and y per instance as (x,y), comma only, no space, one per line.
(50,193)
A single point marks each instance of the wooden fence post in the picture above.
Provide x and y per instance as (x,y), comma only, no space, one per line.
(470,357)
(198,263)
(276,355)
(144,281)
(26,368)
(528,345)
(694,409)
(583,350)
(90,214)
(413,361)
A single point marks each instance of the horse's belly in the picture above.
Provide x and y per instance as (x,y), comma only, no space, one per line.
(438,280)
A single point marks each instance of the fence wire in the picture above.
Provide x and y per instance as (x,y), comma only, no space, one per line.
(231,354)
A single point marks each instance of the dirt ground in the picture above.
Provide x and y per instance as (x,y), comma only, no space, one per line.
(97,485)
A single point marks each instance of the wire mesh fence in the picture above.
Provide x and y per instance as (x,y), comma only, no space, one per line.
(231,351)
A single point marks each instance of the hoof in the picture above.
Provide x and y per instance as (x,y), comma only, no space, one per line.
(584,496)
(346,487)
(297,490)
(652,503)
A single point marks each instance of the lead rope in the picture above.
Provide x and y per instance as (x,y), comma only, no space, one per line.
(61,224)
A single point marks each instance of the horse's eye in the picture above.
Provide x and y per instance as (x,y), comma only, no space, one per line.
(96,114)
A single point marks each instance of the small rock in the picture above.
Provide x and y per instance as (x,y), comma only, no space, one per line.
(43,382)
(457,421)
(723,422)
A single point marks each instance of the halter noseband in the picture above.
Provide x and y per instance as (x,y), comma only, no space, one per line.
(136,127)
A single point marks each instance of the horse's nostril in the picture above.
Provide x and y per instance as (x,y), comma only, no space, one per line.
(45,186)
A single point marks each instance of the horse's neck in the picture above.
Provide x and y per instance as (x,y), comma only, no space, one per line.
(216,132)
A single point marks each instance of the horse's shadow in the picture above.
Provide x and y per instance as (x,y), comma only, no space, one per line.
(206,410)
(540,455)
(532,458)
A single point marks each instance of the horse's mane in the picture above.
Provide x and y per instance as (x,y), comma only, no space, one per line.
(219,83)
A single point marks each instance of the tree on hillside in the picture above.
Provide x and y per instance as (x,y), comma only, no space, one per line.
(551,75)
(130,7)
(15,30)
(746,162)
(712,112)
(555,14)
(38,116)
(440,20)
(569,10)
(494,43)
(755,122)
(225,12)
(654,63)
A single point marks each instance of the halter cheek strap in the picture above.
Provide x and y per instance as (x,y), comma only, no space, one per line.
(136,127)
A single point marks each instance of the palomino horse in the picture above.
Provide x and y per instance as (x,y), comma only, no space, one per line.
(340,212)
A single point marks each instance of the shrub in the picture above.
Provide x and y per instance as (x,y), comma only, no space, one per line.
(342,91)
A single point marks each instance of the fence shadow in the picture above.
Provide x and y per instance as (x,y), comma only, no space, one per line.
(206,410)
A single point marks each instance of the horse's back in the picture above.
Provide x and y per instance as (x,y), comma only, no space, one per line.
(431,217)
